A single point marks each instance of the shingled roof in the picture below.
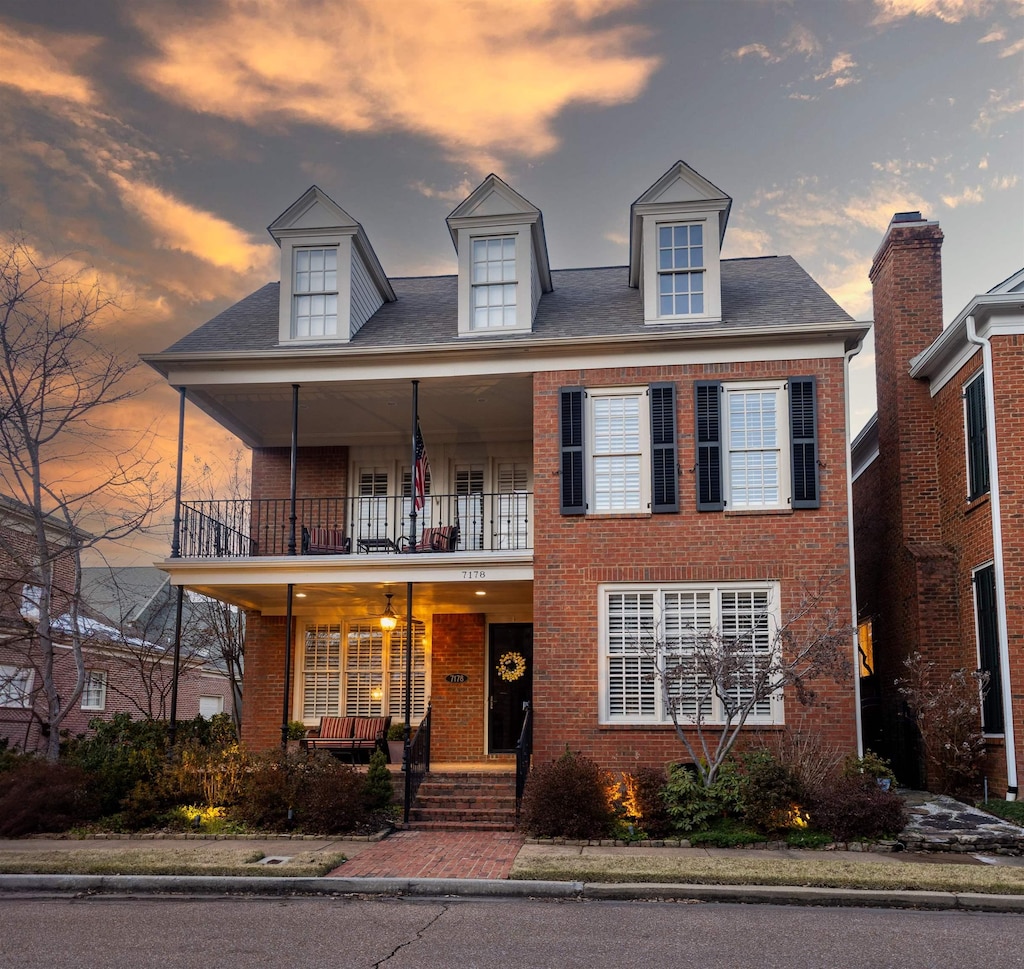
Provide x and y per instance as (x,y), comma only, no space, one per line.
(763,292)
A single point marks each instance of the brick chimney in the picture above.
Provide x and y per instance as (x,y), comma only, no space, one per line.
(906,277)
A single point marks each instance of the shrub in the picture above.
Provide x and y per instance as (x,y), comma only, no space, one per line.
(649,794)
(870,765)
(694,807)
(331,797)
(809,759)
(770,791)
(268,792)
(40,797)
(855,807)
(566,798)
(380,788)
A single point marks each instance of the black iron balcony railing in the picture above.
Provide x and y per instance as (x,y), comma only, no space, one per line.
(242,528)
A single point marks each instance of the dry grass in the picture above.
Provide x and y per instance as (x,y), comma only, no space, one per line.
(826,872)
(217,858)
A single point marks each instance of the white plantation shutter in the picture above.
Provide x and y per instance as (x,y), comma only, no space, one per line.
(321,682)
(469,490)
(396,673)
(372,503)
(364,673)
(631,684)
(744,619)
(511,526)
(686,621)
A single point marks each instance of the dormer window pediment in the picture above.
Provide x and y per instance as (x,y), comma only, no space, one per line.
(676,232)
(331,279)
(503,259)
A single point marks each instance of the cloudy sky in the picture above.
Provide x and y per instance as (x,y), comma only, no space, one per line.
(156,140)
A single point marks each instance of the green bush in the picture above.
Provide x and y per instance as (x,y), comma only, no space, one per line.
(1012,811)
(380,788)
(870,765)
(37,797)
(694,807)
(649,792)
(770,790)
(566,798)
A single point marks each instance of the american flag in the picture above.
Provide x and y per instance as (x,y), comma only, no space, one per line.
(420,472)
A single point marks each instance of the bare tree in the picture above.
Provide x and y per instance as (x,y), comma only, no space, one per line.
(712,681)
(81,477)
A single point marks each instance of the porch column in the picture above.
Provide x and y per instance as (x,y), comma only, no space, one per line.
(408,690)
(412,479)
(294,463)
(172,727)
(287,701)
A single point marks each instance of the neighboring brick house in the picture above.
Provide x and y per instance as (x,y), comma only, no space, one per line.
(661,445)
(124,672)
(939,498)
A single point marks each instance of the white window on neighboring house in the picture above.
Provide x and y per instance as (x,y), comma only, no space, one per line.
(16,686)
(620,451)
(315,292)
(647,628)
(680,270)
(94,693)
(493,283)
(210,706)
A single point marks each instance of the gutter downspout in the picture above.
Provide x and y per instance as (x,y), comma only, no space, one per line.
(848,355)
(997,555)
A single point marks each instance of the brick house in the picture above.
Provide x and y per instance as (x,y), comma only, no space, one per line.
(125,672)
(938,498)
(579,482)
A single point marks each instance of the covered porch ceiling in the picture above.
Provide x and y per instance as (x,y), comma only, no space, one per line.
(456,409)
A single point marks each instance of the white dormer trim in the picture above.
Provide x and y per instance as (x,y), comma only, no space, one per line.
(495,211)
(316,222)
(681,197)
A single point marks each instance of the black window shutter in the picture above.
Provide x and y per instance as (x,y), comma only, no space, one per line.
(803,439)
(977,442)
(988,648)
(709,445)
(570,430)
(664,457)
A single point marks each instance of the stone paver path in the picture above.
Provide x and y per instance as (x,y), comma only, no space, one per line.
(436,854)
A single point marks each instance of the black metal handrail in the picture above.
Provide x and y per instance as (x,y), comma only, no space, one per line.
(241,527)
(524,754)
(416,762)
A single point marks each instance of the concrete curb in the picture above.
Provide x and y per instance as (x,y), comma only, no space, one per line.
(502,888)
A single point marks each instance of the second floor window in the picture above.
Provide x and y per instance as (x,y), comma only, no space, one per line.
(975,432)
(315,289)
(493,283)
(94,693)
(617,456)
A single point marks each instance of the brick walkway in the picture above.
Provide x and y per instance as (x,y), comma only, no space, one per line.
(436,854)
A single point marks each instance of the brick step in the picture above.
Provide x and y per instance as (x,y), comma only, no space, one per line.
(439,811)
(458,826)
(467,803)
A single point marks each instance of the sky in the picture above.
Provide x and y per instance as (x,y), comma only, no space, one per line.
(154,141)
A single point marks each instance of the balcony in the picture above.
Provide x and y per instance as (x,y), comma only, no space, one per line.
(243,528)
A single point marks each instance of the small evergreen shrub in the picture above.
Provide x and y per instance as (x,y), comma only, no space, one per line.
(854,807)
(380,788)
(693,807)
(38,797)
(566,798)
(649,792)
(770,792)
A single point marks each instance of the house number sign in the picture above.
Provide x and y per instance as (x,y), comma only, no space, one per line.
(457,677)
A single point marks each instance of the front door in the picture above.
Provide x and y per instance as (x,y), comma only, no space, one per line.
(510,662)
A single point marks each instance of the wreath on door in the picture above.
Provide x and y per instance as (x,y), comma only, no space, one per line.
(511,666)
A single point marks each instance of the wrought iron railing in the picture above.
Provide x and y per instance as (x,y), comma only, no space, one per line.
(241,528)
(416,762)
(524,753)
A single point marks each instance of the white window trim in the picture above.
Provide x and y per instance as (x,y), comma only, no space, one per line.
(661,716)
(781,388)
(712,267)
(297,295)
(89,699)
(475,287)
(16,684)
(520,232)
(643,396)
(688,271)
(316,239)
(219,704)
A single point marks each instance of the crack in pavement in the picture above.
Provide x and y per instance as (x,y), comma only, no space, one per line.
(419,935)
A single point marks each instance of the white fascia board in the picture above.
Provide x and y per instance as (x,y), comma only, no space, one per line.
(864,448)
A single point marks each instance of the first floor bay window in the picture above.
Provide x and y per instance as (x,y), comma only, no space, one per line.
(356,669)
(699,649)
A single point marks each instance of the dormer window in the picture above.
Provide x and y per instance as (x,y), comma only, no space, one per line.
(316,292)
(494,283)
(680,270)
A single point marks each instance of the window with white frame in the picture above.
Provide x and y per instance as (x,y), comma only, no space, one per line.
(644,629)
(619,475)
(356,669)
(94,693)
(681,270)
(16,686)
(756,435)
(315,292)
(493,283)
(210,706)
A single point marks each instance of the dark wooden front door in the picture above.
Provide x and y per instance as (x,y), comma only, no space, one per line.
(510,662)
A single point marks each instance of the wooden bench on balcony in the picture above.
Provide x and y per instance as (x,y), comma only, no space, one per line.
(325,541)
(350,736)
(444,538)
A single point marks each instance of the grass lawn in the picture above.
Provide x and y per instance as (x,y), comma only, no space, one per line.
(195,858)
(824,872)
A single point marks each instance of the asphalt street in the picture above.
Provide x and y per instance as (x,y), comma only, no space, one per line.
(111,932)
